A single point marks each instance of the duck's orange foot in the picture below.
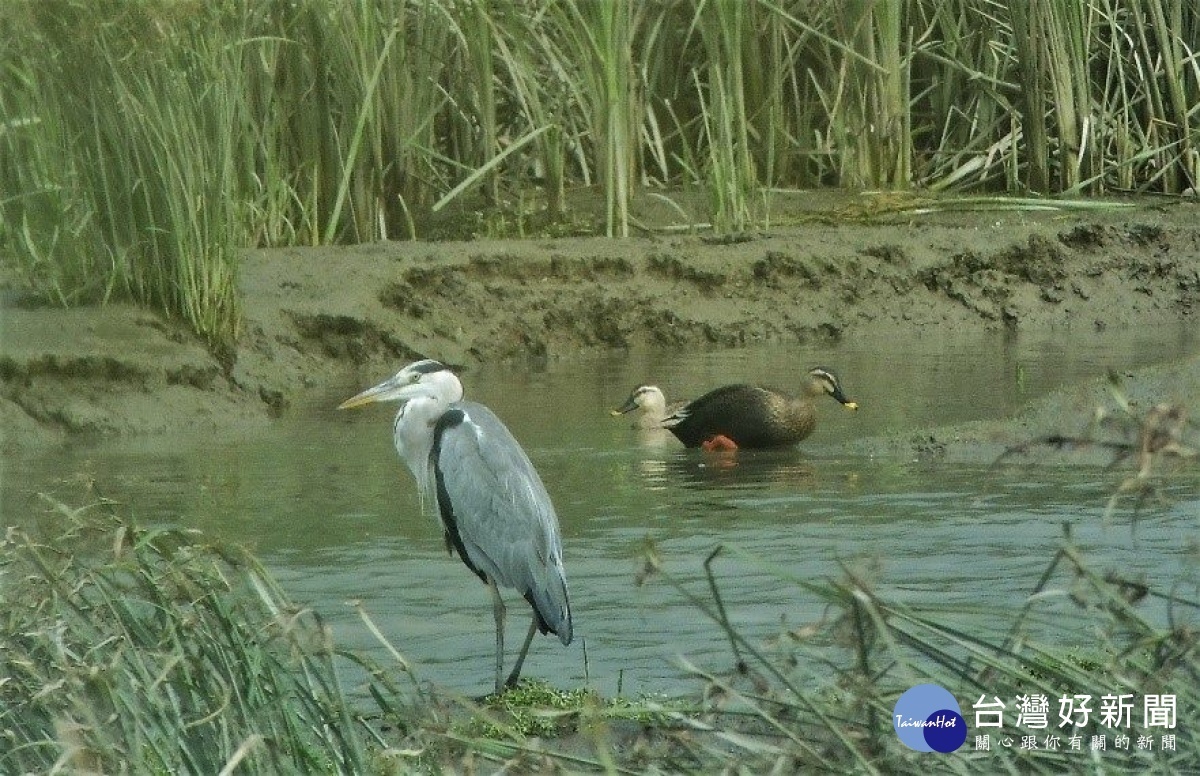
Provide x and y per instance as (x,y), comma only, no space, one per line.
(718,443)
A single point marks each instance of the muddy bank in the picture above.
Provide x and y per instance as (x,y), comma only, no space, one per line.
(313,315)
(1070,412)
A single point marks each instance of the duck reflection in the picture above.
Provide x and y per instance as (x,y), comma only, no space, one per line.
(660,469)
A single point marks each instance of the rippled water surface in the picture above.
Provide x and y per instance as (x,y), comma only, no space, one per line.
(324,501)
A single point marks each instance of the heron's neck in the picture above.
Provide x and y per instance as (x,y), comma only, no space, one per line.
(446,385)
(414,437)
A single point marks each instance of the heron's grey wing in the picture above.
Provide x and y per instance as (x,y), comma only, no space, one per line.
(501,511)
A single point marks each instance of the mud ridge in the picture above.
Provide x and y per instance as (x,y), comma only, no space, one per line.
(312,315)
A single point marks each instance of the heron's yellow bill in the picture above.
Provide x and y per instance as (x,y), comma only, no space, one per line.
(392,389)
(851,405)
(357,401)
(385,391)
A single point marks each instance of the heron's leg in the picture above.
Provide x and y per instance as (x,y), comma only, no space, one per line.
(516,672)
(498,613)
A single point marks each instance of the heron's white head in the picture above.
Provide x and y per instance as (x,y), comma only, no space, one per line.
(425,378)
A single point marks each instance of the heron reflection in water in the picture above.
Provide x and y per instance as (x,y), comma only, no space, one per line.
(493,507)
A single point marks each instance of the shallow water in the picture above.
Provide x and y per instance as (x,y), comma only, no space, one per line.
(324,501)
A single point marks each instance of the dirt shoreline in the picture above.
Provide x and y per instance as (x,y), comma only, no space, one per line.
(312,315)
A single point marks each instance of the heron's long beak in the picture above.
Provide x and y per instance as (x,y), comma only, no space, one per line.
(396,388)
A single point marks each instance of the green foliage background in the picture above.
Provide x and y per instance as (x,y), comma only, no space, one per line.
(143,143)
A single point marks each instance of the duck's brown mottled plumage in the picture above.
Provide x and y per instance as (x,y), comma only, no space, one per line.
(754,417)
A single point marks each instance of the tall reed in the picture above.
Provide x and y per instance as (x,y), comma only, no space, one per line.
(594,45)
(724,113)
(145,143)
(122,163)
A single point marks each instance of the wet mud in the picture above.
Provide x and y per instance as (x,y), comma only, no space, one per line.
(313,315)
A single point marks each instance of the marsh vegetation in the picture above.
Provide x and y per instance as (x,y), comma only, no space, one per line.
(138,650)
(144,144)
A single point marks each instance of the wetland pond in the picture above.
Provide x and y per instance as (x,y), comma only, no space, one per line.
(322,499)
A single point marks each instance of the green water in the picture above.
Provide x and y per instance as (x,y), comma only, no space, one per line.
(324,501)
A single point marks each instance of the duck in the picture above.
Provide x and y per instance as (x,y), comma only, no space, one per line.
(750,416)
(651,400)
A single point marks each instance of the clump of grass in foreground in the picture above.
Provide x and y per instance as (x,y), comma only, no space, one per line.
(157,651)
(130,650)
(537,708)
(823,695)
(124,650)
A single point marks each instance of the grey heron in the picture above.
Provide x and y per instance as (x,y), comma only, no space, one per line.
(494,510)
(748,416)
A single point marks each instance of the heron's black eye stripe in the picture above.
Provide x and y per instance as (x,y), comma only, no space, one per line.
(428,366)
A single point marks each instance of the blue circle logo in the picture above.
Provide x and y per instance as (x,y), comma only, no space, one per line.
(927,718)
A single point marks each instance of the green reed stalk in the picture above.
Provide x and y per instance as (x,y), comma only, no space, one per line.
(596,39)
(767,87)
(732,178)
(478,33)
(1030,56)
(872,120)
(890,89)
(1172,53)
(365,121)
(1066,33)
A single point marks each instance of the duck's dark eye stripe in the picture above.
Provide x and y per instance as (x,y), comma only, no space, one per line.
(821,373)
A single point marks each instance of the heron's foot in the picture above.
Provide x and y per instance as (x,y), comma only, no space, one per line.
(499,692)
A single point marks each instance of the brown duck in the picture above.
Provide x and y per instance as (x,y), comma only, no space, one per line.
(748,416)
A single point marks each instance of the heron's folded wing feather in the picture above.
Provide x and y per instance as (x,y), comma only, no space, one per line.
(503,513)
